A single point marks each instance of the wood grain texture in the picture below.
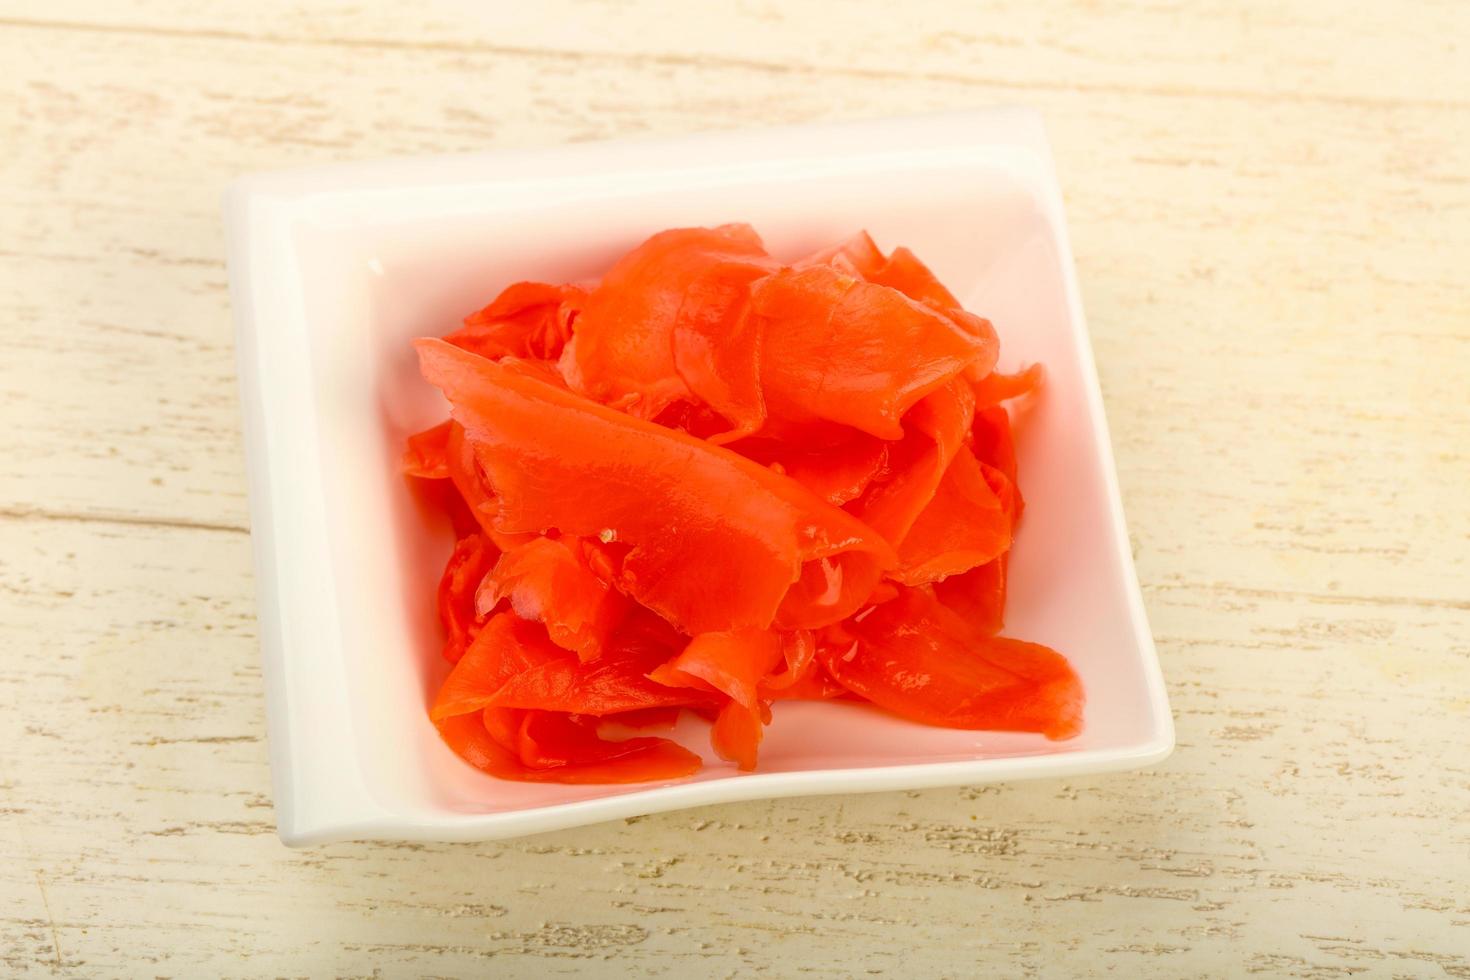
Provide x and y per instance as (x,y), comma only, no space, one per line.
(1270,205)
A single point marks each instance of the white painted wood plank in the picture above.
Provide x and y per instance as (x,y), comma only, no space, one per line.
(1271,212)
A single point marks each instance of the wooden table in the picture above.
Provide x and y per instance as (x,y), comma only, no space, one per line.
(1271,209)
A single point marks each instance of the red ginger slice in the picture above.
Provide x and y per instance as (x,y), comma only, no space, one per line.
(614,683)
(859,257)
(548,580)
(732,663)
(837,468)
(935,431)
(427,454)
(505,647)
(849,351)
(917,659)
(652,759)
(978,596)
(964,525)
(903,271)
(622,349)
(470,561)
(725,540)
(527,319)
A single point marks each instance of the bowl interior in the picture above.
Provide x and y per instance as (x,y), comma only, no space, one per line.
(983,220)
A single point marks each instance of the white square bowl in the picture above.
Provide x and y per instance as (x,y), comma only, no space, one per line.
(333,271)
